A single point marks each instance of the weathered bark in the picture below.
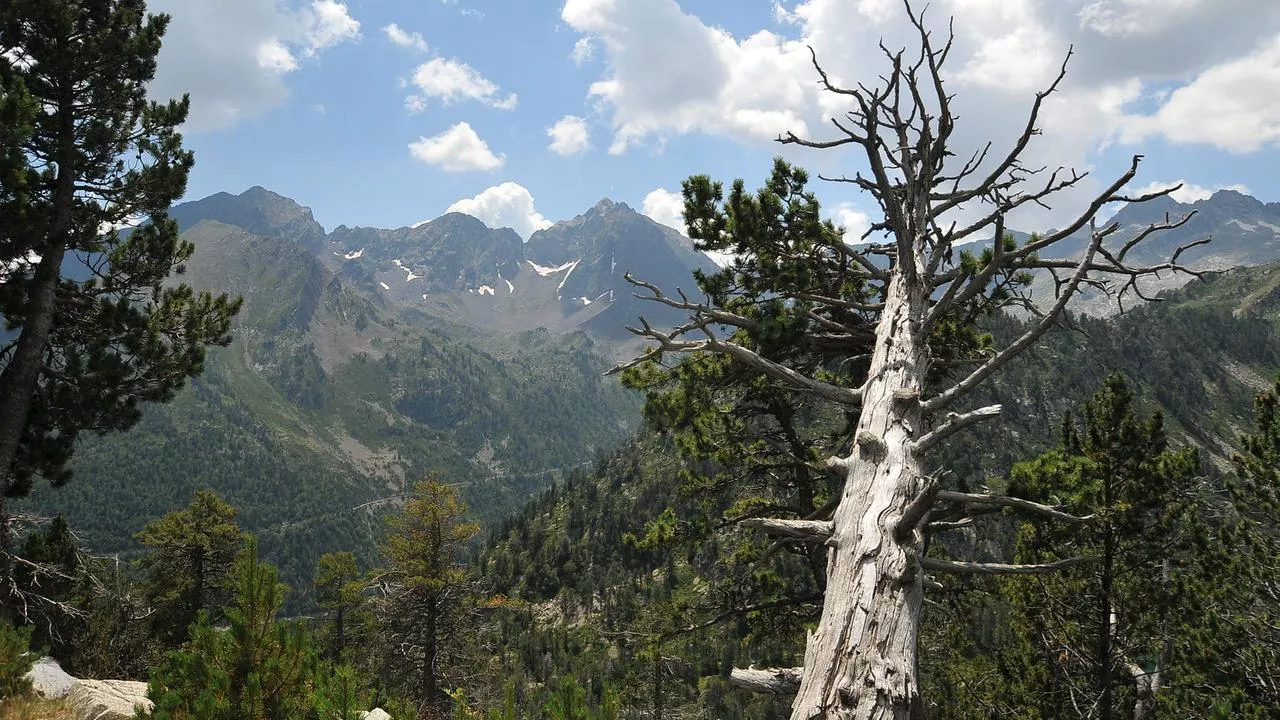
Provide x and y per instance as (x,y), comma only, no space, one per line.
(860,662)
(816,531)
(19,378)
(1146,685)
(772,681)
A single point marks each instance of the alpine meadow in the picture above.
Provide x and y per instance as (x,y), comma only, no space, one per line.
(968,410)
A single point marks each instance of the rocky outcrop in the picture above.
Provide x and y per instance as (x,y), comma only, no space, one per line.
(49,680)
(375,714)
(107,699)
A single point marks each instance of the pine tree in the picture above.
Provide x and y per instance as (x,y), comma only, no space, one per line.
(1239,630)
(188,567)
(50,577)
(96,327)
(257,669)
(340,590)
(425,590)
(1108,650)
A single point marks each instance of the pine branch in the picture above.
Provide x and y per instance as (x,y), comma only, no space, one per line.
(667,343)
(771,681)
(955,422)
(976,568)
(813,531)
(953,496)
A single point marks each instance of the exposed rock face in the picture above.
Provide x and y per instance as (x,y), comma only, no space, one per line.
(107,699)
(375,714)
(49,680)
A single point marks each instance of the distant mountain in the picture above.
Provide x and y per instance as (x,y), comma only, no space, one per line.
(365,358)
(597,250)
(1242,231)
(337,393)
(454,252)
(258,211)
(567,277)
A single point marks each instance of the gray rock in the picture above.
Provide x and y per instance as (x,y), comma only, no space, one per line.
(375,714)
(48,679)
(107,699)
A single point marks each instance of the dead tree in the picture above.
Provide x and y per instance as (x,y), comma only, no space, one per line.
(860,662)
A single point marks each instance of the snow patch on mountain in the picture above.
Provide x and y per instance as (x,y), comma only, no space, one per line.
(545,271)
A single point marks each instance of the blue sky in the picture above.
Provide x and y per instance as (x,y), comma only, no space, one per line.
(321,101)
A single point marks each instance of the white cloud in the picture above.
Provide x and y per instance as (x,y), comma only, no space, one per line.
(665,72)
(583,51)
(1124,18)
(506,205)
(854,221)
(453,81)
(458,149)
(274,56)
(404,39)
(327,24)
(414,104)
(665,207)
(1234,106)
(233,56)
(1189,192)
(668,73)
(569,136)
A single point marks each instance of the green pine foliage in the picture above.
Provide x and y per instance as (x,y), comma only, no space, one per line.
(102,155)
(340,591)
(1121,626)
(422,609)
(188,569)
(259,668)
(15,660)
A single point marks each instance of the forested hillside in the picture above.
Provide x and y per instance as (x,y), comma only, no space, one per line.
(329,404)
(620,554)
(987,425)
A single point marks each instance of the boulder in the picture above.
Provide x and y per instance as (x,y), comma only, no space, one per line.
(107,699)
(375,714)
(48,679)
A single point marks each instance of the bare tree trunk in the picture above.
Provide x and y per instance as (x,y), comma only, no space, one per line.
(860,662)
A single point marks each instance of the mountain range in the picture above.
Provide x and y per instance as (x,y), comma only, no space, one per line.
(365,358)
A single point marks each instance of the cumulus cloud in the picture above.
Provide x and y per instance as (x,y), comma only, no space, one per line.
(414,104)
(583,51)
(1124,18)
(404,39)
(854,221)
(669,73)
(1140,69)
(569,136)
(1230,106)
(451,81)
(506,205)
(458,149)
(327,23)
(233,56)
(665,207)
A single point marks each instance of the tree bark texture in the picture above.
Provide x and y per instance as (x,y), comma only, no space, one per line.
(860,662)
